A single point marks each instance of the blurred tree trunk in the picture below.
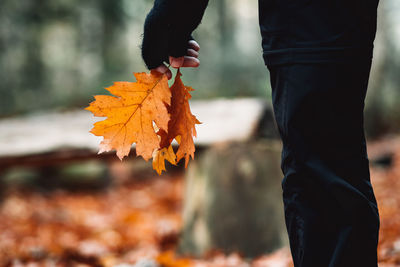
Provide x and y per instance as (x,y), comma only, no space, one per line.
(233,200)
(382,113)
(224,26)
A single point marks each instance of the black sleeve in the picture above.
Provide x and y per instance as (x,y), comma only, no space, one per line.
(168,28)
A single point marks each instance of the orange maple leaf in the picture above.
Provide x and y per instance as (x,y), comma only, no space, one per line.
(181,127)
(160,156)
(131,114)
(182,123)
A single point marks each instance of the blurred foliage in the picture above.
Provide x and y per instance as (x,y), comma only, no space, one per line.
(58,53)
(138,219)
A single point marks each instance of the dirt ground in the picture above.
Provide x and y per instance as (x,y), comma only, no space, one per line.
(137,221)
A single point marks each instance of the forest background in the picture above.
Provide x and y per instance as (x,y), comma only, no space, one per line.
(57,54)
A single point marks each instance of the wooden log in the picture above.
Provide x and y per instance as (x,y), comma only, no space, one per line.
(38,138)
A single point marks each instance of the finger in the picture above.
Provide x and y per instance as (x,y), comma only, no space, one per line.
(194,45)
(184,62)
(190,62)
(176,62)
(162,69)
(192,53)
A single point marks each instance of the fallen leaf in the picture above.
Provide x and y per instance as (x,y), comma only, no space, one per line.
(167,259)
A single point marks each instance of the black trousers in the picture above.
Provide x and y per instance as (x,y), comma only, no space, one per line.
(330,209)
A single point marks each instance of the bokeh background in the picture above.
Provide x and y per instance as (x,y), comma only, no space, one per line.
(57,54)
(79,208)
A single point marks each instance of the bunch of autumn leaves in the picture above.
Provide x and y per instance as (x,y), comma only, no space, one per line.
(149,113)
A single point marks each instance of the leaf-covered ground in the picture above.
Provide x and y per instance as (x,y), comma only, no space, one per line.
(139,221)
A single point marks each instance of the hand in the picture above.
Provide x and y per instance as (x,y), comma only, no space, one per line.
(189,61)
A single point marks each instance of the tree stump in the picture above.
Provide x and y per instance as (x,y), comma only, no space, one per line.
(233,200)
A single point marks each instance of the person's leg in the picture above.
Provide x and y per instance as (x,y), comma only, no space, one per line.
(330,208)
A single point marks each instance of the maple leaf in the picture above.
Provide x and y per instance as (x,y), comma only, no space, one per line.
(160,156)
(149,113)
(181,127)
(131,114)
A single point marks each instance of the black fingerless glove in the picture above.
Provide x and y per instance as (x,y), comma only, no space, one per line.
(168,28)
